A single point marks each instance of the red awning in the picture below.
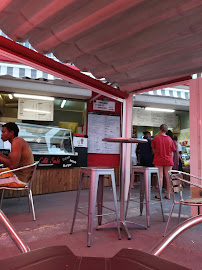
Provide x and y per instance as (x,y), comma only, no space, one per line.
(134,44)
(21,54)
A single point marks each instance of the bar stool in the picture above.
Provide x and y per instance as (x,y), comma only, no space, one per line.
(145,187)
(96,176)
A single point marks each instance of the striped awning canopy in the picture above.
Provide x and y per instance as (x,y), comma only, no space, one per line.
(171,92)
(134,44)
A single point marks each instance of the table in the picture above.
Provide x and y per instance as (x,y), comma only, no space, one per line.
(124,224)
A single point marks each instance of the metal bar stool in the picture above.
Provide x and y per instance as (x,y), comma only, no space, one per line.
(145,187)
(96,176)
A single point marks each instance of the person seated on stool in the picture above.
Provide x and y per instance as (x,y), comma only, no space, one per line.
(163,147)
(20,155)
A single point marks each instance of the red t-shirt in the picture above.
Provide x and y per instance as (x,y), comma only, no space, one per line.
(163,147)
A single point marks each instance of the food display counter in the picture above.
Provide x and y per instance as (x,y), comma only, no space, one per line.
(186,155)
(51,146)
(59,161)
(186,158)
(186,161)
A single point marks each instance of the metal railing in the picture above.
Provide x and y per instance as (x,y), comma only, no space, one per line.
(23,247)
(165,242)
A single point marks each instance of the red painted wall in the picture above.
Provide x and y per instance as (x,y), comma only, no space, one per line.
(100,160)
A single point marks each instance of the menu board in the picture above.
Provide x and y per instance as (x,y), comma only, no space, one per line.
(103,126)
(104,105)
(30,109)
(141,117)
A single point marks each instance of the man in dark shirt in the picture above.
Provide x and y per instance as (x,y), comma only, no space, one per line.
(145,151)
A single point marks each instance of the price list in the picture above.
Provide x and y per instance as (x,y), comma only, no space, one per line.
(103,126)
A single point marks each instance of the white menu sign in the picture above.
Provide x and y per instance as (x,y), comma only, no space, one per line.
(142,117)
(99,127)
(30,109)
(104,105)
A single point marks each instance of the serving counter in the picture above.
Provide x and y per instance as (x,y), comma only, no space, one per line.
(59,160)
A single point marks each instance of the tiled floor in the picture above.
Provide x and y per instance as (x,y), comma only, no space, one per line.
(54,216)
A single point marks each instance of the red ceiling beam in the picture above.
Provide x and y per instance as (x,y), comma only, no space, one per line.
(21,54)
(179,81)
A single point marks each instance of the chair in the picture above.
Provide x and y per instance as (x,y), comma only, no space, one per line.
(27,187)
(176,178)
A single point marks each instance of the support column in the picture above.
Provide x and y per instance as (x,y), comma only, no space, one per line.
(126,132)
(195,124)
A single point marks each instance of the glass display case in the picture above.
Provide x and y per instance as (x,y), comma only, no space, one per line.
(51,146)
(46,139)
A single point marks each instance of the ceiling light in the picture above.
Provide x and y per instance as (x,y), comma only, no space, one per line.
(158,109)
(38,111)
(33,97)
(138,107)
(10,96)
(63,103)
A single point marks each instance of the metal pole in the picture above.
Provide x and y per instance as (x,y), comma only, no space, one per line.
(23,247)
(165,242)
(123,160)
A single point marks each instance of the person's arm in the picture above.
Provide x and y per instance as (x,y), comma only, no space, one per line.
(13,159)
(177,151)
(173,148)
(153,146)
(180,155)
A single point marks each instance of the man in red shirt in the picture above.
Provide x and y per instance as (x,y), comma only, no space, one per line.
(163,148)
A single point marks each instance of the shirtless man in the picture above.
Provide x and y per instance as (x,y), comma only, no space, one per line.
(20,155)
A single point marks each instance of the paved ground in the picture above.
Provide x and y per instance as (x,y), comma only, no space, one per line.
(54,215)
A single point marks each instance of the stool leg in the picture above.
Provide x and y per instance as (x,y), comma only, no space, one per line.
(115,204)
(147,183)
(100,198)
(91,205)
(129,192)
(160,193)
(179,213)
(2,196)
(77,201)
(142,191)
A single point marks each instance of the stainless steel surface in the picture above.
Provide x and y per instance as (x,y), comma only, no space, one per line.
(145,187)
(165,242)
(23,247)
(96,177)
